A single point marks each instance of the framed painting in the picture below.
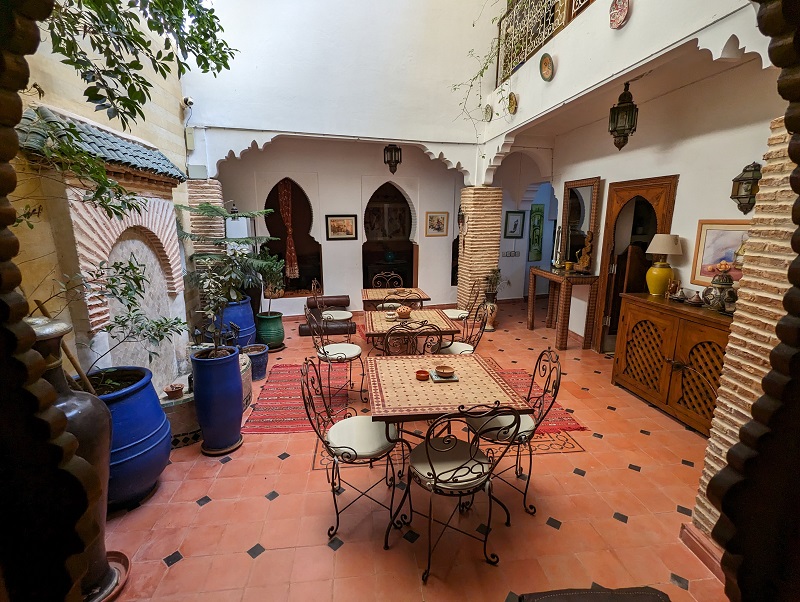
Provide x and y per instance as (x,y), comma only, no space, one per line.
(341,227)
(436,223)
(515,224)
(717,240)
(535,233)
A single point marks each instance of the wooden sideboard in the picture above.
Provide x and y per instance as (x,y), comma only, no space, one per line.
(671,355)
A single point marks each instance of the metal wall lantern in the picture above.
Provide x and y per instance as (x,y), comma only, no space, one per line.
(392,156)
(622,118)
(745,187)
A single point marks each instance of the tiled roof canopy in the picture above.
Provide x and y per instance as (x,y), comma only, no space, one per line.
(114,149)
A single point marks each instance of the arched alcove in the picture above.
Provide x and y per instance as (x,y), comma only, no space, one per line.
(387,247)
(307,250)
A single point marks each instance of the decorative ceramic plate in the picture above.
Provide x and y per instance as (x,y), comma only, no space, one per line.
(619,12)
(488,113)
(547,68)
(513,103)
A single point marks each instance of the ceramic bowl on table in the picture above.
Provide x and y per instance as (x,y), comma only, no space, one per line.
(445,371)
(391,316)
(423,375)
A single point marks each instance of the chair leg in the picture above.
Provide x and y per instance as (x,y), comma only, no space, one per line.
(364,398)
(335,484)
(427,572)
(490,558)
(529,508)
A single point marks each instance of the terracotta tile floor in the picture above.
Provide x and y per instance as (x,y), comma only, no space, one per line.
(262,535)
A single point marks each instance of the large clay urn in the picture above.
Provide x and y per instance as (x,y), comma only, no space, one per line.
(89,420)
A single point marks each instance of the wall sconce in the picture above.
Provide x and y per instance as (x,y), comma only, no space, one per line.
(745,187)
(622,118)
(392,156)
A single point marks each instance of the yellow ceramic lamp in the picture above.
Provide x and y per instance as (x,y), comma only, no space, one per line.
(659,274)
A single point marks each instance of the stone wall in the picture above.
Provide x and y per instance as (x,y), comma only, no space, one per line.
(480,237)
(763,284)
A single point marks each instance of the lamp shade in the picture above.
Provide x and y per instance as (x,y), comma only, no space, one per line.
(665,244)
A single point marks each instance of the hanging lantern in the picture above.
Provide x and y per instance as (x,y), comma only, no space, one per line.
(745,187)
(622,119)
(392,156)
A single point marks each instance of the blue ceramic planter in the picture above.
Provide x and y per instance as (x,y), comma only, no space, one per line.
(140,436)
(218,401)
(241,314)
(258,360)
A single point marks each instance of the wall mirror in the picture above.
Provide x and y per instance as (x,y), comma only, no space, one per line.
(579,210)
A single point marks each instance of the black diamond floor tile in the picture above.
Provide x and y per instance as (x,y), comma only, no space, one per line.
(225,460)
(411,536)
(335,543)
(256,550)
(580,472)
(621,517)
(203,500)
(272,495)
(551,522)
(482,529)
(687,463)
(176,556)
(284,455)
(684,510)
(634,467)
(598,435)
(681,582)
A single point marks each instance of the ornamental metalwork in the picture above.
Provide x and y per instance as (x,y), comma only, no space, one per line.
(579,5)
(525,28)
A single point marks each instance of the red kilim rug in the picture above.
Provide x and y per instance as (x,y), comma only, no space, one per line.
(279,408)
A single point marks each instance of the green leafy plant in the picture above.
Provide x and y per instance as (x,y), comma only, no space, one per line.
(495,281)
(272,275)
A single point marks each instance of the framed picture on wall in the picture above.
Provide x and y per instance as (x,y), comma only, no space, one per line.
(341,227)
(718,240)
(515,224)
(436,223)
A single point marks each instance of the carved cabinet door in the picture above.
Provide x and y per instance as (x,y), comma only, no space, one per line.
(696,369)
(645,341)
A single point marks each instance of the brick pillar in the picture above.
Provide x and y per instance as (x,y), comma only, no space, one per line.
(480,246)
(767,257)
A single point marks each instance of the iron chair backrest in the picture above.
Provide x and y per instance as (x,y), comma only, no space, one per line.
(545,383)
(475,293)
(316,293)
(473,327)
(319,409)
(412,338)
(319,332)
(387,280)
(409,298)
(495,422)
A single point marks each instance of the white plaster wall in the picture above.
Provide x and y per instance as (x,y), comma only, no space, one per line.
(339,177)
(706,133)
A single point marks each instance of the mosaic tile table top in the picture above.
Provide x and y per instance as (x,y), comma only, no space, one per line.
(397,396)
(379,294)
(376,324)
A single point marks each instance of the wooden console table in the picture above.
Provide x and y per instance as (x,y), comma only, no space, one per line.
(558,302)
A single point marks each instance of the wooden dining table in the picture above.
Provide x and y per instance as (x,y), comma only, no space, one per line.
(372,297)
(376,324)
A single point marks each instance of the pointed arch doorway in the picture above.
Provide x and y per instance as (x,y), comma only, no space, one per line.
(387,229)
(290,222)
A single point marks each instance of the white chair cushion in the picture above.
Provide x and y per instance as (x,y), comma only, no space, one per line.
(470,473)
(457,348)
(339,352)
(455,314)
(359,438)
(337,315)
(384,306)
(526,426)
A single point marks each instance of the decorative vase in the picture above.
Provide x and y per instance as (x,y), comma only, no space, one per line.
(658,277)
(270,329)
(241,314)
(89,420)
(259,356)
(218,400)
(491,311)
(141,435)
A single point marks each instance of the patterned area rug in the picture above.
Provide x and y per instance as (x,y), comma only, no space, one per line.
(279,408)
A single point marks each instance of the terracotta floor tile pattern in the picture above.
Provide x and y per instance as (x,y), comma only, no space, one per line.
(262,536)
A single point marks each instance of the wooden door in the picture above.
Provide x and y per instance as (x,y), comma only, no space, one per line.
(696,370)
(660,193)
(646,339)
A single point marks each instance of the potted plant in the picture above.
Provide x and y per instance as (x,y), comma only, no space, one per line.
(270,323)
(141,436)
(217,380)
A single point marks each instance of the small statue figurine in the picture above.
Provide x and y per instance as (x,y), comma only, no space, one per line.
(584,256)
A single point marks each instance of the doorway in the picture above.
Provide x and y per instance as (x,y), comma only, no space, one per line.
(636,210)
(387,230)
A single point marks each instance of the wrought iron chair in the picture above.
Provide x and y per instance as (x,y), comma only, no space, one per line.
(348,438)
(471,333)
(333,352)
(474,293)
(387,280)
(325,313)
(411,338)
(409,298)
(542,393)
(447,465)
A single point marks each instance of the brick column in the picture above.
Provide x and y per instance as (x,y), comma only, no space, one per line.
(480,246)
(767,257)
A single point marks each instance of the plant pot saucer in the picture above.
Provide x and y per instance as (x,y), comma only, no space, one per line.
(223,451)
(280,347)
(121,565)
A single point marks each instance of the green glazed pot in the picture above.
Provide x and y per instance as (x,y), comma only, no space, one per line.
(269,329)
